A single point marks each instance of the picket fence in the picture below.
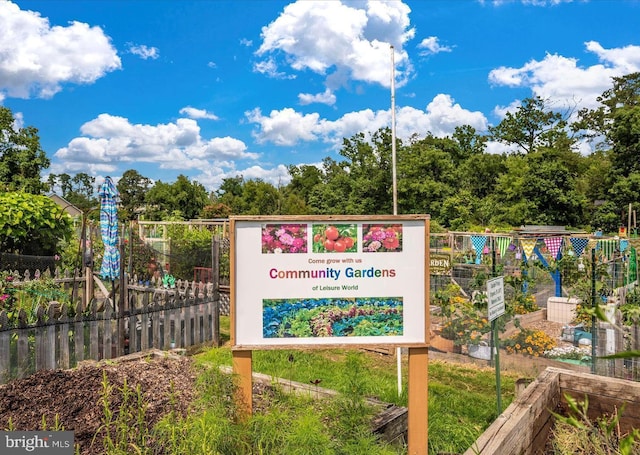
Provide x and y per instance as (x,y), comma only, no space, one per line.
(55,337)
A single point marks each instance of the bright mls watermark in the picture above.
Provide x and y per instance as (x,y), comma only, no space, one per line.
(36,442)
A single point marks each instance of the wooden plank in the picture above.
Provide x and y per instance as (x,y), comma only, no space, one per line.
(23,353)
(186,311)
(166,327)
(513,431)
(63,359)
(155,325)
(133,331)
(242,367)
(5,348)
(93,332)
(78,334)
(417,418)
(50,339)
(144,330)
(107,327)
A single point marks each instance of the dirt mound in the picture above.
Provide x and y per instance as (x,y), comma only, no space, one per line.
(74,396)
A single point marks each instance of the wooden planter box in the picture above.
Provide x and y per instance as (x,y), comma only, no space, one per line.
(523,428)
(444,345)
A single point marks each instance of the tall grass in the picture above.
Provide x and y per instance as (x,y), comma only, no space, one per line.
(462,404)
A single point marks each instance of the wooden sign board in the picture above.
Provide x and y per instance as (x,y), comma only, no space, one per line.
(329,281)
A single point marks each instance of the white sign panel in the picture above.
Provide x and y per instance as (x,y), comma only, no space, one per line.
(329,282)
(495,294)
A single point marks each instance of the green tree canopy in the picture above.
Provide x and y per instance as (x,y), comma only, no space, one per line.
(132,188)
(21,157)
(79,190)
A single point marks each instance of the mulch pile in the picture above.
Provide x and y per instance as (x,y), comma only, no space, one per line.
(74,396)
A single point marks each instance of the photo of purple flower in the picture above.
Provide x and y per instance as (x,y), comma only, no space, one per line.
(381,238)
(284,238)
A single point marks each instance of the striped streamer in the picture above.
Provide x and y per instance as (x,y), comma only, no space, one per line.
(503,243)
(608,247)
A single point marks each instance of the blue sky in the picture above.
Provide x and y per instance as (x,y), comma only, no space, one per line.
(212,89)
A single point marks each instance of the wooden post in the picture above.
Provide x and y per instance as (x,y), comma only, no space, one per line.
(417,418)
(215,276)
(242,367)
(5,351)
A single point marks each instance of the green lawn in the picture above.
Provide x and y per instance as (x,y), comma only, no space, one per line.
(462,398)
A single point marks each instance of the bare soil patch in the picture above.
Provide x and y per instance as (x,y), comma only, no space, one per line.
(74,396)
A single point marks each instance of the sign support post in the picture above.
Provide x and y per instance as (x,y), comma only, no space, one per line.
(496,308)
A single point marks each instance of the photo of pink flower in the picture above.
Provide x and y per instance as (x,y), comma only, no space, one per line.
(378,238)
(284,238)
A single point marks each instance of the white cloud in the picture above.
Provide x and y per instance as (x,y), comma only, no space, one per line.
(288,127)
(270,68)
(327,97)
(432,46)
(144,52)
(340,40)
(108,139)
(213,177)
(563,80)
(37,58)
(194,113)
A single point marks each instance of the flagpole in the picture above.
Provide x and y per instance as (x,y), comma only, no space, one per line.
(394,189)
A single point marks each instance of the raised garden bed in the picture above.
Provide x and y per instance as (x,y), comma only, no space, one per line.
(524,427)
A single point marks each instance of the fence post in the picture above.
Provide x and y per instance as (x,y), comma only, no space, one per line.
(5,351)
(133,330)
(24,360)
(215,272)
(107,330)
(78,334)
(93,332)
(63,359)
(155,325)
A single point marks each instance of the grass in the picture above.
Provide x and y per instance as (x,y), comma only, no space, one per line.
(462,398)
(462,403)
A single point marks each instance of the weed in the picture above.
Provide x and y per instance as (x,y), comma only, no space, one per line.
(578,433)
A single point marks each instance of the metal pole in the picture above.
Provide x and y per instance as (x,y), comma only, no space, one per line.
(394,189)
(594,337)
(393,132)
(495,338)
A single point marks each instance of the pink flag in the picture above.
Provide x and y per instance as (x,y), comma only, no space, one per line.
(553,244)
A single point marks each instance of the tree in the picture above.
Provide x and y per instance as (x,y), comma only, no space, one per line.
(533,125)
(32,224)
(370,173)
(132,187)
(616,123)
(426,177)
(79,190)
(182,199)
(21,157)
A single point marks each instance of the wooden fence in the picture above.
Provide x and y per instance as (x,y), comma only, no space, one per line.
(59,337)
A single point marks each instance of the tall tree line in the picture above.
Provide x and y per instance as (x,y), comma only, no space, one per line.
(542,178)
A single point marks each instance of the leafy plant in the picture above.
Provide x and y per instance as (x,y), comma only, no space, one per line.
(529,342)
(32,224)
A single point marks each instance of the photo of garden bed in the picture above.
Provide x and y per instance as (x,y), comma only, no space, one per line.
(332,317)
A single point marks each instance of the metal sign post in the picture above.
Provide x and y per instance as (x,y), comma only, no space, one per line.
(495,294)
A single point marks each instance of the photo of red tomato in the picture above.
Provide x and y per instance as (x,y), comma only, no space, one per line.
(335,238)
